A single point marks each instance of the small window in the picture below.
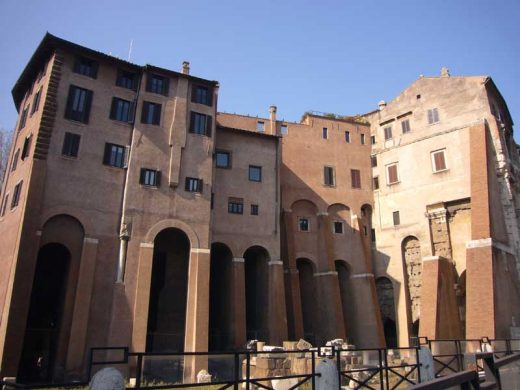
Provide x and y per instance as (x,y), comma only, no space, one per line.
(150,177)
(114,155)
(355,175)
(157,84)
(120,110)
(126,79)
(254,209)
(86,67)
(283,129)
(388,133)
(373,139)
(70,145)
(397,219)
(373,161)
(223,159)
(362,139)
(151,113)
(15,160)
(235,205)
(328,176)
(255,173)
(303,224)
(23,118)
(375,183)
(433,116)
(392,175)
(201,94)
(405,126)
(36,101)
(26,147)
(200,124)
(192,184)
(439,160)
(16,195)
(260,126)
(337,227)
(325,133)
(373,235)
(78,104)
(347,137)
(4,205)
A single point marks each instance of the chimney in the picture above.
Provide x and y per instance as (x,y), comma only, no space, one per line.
(445,72)
(382,105)
(185,67)
(272,118)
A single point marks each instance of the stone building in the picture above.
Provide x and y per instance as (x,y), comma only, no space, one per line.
(132,213)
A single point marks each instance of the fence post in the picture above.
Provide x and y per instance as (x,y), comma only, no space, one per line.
(138,373)
(460,356)
(313,365)
(419,364)
(89,368)
(338,364)
(381,380)
(386,367)
(237,371)
(248,368)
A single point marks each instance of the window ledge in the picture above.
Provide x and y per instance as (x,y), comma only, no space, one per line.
(441,171)
(394,183)
(69,158)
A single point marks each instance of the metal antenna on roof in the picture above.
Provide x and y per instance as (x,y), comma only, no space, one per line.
(130,49)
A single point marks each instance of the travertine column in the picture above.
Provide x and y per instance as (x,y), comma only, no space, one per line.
(277,317)
(439,230)
(238,306)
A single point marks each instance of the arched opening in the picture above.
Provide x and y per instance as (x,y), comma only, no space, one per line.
(385,295)
(257,289)
(366,217)
(44,321)
(411,253)
(168,292)
(308,299)
(347,297)
(220,321)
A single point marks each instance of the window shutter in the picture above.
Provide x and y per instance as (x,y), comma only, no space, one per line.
(131,112)
(392,174)
(194,93)
(440,163)
(94,67)
(166,86)
(199,187)
(70,100)
(192,121)
(142,176)
(144,112)
(88,102)
(106,156)
(77,65)
(158,178)
(210,96)
(430,116)
(74,138)
(208,125)
(113,108)
(149,78)
(157,114)
(435,115)
(187,184)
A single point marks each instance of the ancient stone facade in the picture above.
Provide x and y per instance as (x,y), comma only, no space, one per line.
(126,188)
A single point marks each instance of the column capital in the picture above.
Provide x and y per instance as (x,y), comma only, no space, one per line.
(325,273)
(200,250)
(238,260)
(275,262)
(362,275)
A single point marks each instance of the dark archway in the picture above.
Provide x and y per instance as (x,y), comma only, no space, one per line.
(257,293)
(168,292)
(347,297)
(385,295)
(308,299)
(412,263)
(44,321)
(220,321)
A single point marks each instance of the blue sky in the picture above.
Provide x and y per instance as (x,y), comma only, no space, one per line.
(329,55)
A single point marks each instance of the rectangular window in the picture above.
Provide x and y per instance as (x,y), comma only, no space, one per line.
(126,80)
(200,124)
(337,227)
(362,139)
(375,183)
(255,173)
(36,101)
(325,133)
(16,195)
(283,129)
(433,116)
(26,147)
(78,104)
(201,94)
(347,137)
(23,118)
(157,84)
(373,234)
(303,224)
(114,155)
(260,126)
(192,184)
(235,205)
(373,139)
(392,175)
(397,219)
(439,160)
(70,145)
(150,177)
(120,110)
(15,160)
(223,159)
(4,205)
(86,67)
(355,175)
(405,126)
(373,161)
(254,209)
(388,133)
(328,176)
(151,113)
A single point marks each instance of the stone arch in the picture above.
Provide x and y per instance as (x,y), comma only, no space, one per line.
(173,223)
(412,264)
(306,270)
(386,298)
(81,217)
(344,270)
(221,302)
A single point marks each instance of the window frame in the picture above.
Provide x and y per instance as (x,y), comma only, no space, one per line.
(375,183)
(23,118)
(15,200)
(308,224)
(387,169)
(14,163)
(434,162)
(152,80)
(363,141)
(335,224)
(196,97)
(73,113)
(255,209)
(347,136)
(433,116)
(396,218)
(115,110)
(123,75)
(155,119)
(325,133)
(145,175)
(235,206)
(224,152)
(405,126)
(387,130)
(207,130)
(332,177)
(4,204)
(86,67)
(197,186)
(71,146)
(260,126)
(26,149)
(36,101)
(355,179)
(111,160)
(251,169)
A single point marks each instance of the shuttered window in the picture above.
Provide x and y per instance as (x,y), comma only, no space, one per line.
(405,126)
(392,175)
(192,184)
(16,195)
(86,67)
(150,177)
(328,176)
(114,155)
(121,110)
(439,160)
(157,84)
(355,175)
(78,104)
(200,124)
(36,101)
(235,205)
(433,116)
(151,113)
(388,133)
(126,79)
(396,218)
(70,145)
(202,95)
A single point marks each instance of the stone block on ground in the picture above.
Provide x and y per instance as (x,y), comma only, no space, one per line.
(107,379)
(284,384)
(203,377)
(302,344)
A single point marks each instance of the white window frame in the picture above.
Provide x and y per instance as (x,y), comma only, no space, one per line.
(432,158)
